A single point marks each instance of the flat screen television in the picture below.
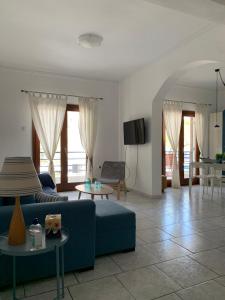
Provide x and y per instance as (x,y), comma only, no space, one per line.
(134,132)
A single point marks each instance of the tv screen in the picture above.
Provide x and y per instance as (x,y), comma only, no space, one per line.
(134,132)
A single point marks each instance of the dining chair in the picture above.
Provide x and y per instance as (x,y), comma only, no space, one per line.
(218,177)
(205,175)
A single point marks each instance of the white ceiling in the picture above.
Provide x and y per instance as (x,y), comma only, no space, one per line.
(41,35)
(202,77)
(213,10)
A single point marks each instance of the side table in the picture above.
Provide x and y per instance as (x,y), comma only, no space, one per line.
(26,249)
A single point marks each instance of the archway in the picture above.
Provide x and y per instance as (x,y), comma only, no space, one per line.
(156,129)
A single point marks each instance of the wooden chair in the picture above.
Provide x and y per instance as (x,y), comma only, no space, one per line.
(113,174)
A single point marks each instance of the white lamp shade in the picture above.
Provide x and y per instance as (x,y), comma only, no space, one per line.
(18,177)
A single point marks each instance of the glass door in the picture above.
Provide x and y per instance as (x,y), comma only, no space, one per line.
(76,156)
(70,157)
(73,156)
(188,150)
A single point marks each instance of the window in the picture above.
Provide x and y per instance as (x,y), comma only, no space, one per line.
(70,157)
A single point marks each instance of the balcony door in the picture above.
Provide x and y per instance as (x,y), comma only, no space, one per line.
(70,157)
(188,149)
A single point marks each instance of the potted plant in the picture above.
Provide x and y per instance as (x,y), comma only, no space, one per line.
(219,157)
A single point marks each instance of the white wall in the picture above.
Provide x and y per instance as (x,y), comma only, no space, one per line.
(192,94)
(15,117)
(138,110)
(141,93)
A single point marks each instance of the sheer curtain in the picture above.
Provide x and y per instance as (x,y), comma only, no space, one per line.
(172,113)
(48,112)
(88,129)
(201,128)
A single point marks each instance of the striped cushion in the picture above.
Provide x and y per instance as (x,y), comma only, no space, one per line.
(43,197)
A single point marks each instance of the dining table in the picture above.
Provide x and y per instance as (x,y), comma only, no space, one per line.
(210,168)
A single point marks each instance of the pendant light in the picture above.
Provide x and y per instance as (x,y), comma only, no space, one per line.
(217,73)
(217,92)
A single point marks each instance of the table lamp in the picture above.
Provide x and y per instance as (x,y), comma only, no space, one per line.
(18,177)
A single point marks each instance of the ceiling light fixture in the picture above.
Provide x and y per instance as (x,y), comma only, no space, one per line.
(89,40)
(218,73)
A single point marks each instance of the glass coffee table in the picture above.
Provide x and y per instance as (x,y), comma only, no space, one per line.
(27,250)
(91,189)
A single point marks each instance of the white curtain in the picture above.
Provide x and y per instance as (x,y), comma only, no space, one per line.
(88,129)
(201,128)
(172,113)
(48,112)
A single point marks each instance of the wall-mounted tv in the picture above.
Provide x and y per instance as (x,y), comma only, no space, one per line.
(134,132)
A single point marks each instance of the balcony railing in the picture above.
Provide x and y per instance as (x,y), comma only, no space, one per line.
(169,163)
(76,165)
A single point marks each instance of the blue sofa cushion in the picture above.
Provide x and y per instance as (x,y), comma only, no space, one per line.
(115,228)
(23,200)
(111,216)
(46,180)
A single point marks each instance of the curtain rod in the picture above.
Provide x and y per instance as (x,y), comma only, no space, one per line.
(47,93)
(189,102)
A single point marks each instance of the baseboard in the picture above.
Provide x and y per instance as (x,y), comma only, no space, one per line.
(144,194)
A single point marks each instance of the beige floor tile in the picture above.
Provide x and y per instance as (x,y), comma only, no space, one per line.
(222,249)
(205,291)
(195,243)
(46,285)
(140,242)
(220,280)
(141,257)
(215,236)
(104,266)
(166,250)
(203,225)
(108,288)
(147,283)
(169,297)
(212,259)
(49,296)
(152,235)
(177,230)
(219,221)
(144,223)
(6,294)
(186,271)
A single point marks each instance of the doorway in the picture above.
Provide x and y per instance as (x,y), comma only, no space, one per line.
(70,157)
(188,150)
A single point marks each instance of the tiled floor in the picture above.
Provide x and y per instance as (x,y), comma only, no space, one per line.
(180,254)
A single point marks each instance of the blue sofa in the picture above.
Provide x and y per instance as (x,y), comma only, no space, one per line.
(95,228)
(79,219)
